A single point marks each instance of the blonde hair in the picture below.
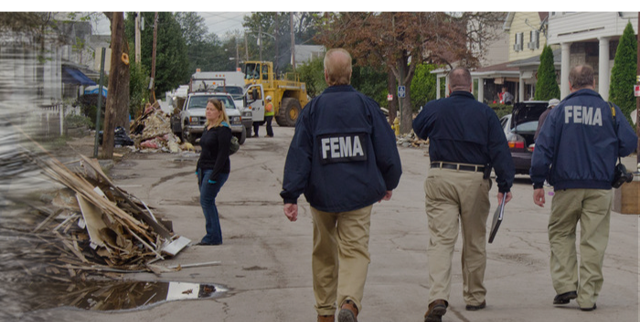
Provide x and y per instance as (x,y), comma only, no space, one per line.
(337,65)
(223,113)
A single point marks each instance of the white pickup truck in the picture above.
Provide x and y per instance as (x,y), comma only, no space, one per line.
(189,123)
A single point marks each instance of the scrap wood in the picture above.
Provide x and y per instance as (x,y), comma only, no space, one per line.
(148,219)
(214,263)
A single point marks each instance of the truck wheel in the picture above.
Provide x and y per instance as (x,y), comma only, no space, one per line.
(185,136)
(241,136)
(289,111)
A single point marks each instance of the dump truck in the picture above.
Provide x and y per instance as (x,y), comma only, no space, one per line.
(288,94)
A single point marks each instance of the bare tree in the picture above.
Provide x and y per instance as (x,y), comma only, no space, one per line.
(402,40)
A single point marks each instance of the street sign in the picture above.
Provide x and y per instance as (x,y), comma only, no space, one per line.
(636,90)
(401,91)
(389,97)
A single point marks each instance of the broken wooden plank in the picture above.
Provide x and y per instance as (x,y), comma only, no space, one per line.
(93,220)
(176,246)
(214,263)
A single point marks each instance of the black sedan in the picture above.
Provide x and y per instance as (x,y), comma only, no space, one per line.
(519,128)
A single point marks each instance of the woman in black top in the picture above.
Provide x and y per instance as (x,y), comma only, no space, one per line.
(213,167)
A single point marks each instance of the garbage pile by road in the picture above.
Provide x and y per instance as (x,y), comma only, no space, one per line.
(152,132)
(92,226)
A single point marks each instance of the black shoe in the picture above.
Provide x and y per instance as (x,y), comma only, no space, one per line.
(476,307)
(587,309)
(207,244)
(564,298)
(436,310)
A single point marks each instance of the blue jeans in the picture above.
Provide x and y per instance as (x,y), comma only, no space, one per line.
(208,191)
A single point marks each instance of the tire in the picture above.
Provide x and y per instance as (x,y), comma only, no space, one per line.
(241,136)
(186,137)
(289,111)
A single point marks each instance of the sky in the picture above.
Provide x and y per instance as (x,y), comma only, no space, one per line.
(217,22)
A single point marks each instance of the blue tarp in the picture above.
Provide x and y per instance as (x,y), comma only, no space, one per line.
(74,76)
(94,90)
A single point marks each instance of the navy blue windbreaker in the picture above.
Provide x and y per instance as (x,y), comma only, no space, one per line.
(343,155)
(579,143)
(462,130)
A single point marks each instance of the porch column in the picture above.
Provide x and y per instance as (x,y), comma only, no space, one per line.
(564,70)
(481,89)
(521,88)
(437,86)
(603,68)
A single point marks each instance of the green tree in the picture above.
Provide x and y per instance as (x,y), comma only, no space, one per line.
(204,49)
(172,61)
(371,82)
(312,74)
(278,24)
(623,74)
(423,86)
(138,89)
(547,85)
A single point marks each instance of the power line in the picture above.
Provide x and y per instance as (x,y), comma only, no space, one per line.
(220,18)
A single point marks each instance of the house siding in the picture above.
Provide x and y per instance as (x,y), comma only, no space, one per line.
(581,26)
(519,25)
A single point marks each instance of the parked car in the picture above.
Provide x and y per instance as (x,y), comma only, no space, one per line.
(519,128)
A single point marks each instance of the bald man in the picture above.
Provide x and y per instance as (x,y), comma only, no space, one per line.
(344,158)
(466,142)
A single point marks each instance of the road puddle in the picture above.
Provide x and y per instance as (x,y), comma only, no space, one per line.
(118,296)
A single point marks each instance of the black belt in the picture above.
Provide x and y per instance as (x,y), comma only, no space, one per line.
(457,166)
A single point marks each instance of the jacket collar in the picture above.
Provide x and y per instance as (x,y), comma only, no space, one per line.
(583,92)
(339,88)
(462,93)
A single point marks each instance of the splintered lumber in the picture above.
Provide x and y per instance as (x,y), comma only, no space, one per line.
(93,219)
(149,220)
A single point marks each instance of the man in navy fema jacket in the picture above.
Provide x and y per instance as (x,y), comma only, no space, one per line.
(344,157)
(466,141)
(576,150)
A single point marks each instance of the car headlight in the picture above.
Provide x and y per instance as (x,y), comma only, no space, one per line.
(193,119)
(246,114)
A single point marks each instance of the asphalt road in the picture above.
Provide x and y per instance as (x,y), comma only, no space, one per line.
(266,260)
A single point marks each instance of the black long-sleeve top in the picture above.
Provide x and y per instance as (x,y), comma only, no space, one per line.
(215,144)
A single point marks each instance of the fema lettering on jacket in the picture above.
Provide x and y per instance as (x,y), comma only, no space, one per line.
(336,148)
(583,115)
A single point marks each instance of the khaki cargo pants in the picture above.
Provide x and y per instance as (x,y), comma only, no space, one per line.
(457,198)
(340,259)
(593,209)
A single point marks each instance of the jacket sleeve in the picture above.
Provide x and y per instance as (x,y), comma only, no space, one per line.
(627,138)
(420,124)
(297,167)
(386,150)
(543,152)
(500,155)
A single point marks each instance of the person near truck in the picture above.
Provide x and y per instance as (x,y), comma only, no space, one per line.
(576,150)
(268,116)
(344,158)
(462,152)
(213,167)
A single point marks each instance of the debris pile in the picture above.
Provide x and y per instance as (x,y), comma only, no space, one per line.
(98,227)
(411,140)
(152,132)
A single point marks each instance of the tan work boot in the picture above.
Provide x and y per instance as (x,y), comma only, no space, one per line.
(436,310)
(326,318)
(348,312)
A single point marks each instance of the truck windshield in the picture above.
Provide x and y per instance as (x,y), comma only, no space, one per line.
(252,71)
(200,101)
(235,91)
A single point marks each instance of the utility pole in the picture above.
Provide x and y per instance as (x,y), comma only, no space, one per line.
(153,56)
(260,41)
(116,86)
(237,54)
(137,39)
(275,63)
(246,47)
(293,43)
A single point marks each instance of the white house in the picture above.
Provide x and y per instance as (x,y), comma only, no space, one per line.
(591,38)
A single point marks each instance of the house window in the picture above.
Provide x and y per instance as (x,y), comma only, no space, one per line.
(518,44)
(534,40)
